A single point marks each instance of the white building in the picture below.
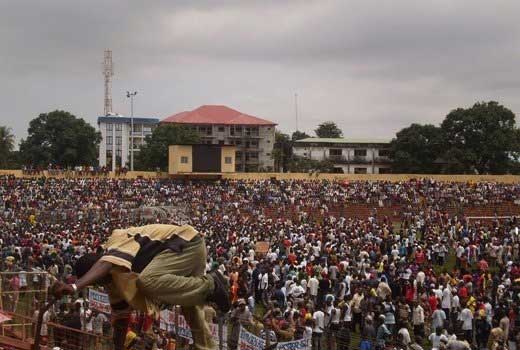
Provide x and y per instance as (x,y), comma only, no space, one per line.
(114,149)
(348,156)
(252,137)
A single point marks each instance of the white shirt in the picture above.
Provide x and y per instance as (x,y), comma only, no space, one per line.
(418,315)
(313,286)
(307,334)
(436,340)
(264,281)
(304,285)
(438,318)
(421,276)
(348,313)
(297,291)
(467,319)
(334,314)
(319,321)
(455,302)
(406,336)
(446,298)
(489,312)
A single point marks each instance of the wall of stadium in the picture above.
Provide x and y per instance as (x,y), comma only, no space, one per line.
(306,176)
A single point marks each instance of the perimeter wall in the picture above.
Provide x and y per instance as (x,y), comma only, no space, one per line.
(280,176)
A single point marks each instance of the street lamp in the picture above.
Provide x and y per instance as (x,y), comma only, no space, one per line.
(131,96)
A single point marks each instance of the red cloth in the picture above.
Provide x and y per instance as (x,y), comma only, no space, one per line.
(433,301)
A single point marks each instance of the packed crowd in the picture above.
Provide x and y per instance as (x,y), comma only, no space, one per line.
(424,279)
(79,170)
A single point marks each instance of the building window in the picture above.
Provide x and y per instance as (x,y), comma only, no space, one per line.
(109,127)
(109,140)
(207,130)
(360,170)
(118,152)
(268,154)
(118,140)
(253,131)
(235,130)
(119,127)
(268,141)
(239,142)
(147,129)
(184,160)
(220,142)
(221,129)
(385,170)
(254,143)
(335,152)
(360,152)
(238,155)
(383,152)
(228,160)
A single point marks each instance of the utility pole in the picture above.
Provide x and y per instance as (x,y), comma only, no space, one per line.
(131,96)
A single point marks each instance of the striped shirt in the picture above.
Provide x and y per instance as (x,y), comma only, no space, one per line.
(130,251)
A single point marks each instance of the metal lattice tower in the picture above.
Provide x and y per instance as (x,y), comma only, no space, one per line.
(108,72)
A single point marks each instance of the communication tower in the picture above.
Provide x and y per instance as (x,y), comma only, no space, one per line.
(108,72)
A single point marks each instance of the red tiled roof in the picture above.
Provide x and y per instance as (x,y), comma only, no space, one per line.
(209,114)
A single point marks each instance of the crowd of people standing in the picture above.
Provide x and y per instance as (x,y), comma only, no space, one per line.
(424,278)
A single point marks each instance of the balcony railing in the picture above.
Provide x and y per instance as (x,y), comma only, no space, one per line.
(357,160)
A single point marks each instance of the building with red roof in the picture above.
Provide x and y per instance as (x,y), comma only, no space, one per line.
(253,137)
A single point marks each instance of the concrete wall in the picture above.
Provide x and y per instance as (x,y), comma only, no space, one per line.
(174,159)
(228,152)
(339,177)
(266,144)
(375,177)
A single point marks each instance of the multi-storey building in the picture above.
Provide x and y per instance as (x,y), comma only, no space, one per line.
(348,156)
(253,137)
(114,149)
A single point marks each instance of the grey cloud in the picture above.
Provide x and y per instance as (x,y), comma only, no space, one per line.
(372,66)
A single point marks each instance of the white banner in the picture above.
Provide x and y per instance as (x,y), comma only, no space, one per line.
(167,322)
(302,344)
(249,341)
(99,301)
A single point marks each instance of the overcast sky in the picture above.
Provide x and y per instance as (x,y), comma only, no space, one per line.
(372,66)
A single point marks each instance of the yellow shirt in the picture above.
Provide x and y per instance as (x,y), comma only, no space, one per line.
(130,250)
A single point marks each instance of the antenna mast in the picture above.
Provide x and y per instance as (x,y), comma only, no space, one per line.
(108,72)
(296,109)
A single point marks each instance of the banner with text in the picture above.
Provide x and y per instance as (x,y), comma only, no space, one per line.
(302,344)
(99,301)
(167,323)
(249,341)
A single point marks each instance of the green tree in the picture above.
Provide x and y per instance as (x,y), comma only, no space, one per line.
(299,135)
(416,149)
(60,138)
(282,151)
(154,154)
(482,139)
(6,146)
(328,130)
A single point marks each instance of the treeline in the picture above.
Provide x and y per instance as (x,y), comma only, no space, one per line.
(482,139)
